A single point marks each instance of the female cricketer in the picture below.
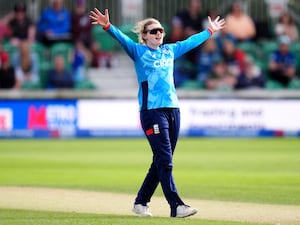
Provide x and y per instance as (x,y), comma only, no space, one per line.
(158,102)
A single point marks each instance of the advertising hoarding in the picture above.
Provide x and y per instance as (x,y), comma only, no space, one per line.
(120,118)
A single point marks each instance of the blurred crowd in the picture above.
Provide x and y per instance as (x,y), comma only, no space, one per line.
(239,57)
(57,49)
(53,52)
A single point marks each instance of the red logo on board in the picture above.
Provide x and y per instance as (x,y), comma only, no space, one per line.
(37,118)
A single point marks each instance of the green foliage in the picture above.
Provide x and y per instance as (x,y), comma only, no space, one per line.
(247,170)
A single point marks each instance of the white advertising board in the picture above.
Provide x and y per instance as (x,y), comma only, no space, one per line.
(217,114)
(108,114)
(251,114)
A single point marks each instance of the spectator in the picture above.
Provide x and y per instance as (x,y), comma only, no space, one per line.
(79,61)
(233,57)
(222,37)
(190,20)
(7,72)
(213,13)
(54,24)
(100,58)
(59,76)
(220,78)
(206,57)
(252,76)
(282,64)
(4,29)
(81,25)
(26,66)
(21,27)
(239,24)
(177,31)
(286,26)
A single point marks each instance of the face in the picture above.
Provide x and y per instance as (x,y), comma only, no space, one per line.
(19,15)
(59,64)
(237,8)
(153,35)
(57,4)
(228,47)
(219,69)
(195,5)
(284,48)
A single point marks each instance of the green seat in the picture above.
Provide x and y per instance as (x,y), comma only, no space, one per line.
(105,41)
(29,86)
(267,47)
(273,85)
(191,85)
(128,30)
(295,48)
(294,84)
(42,51)
(250,48)
(43,75)
(85,85)
(9,48)
(63,49)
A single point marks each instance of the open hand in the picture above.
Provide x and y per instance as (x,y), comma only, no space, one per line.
(98,18)
(217,24)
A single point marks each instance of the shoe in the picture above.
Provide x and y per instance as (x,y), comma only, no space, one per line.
(185,211)
(141,210)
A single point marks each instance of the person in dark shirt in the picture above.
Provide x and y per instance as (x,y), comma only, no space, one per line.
(282,64)
(191,18)
(21,26)
(81,24)
(189,21)
(251,77)
(7,72)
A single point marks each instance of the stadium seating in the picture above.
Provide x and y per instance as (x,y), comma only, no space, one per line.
(63,49)
(128,30)
(104,40)
(250,48)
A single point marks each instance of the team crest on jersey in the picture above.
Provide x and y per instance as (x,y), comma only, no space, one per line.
(166,51)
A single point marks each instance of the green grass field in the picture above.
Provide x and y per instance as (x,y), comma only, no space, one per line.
(245,170)
(21,217)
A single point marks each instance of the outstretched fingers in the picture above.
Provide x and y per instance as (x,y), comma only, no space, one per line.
(217,24)
(99,18)
(222,23)
(217,18)
(94,16)
(98,12)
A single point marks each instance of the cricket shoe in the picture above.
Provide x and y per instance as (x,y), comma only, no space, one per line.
(141,210)
(185,211)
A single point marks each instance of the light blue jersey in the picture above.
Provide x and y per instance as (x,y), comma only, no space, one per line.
(154,68)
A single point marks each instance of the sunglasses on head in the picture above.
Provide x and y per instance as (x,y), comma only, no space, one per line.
(155,30)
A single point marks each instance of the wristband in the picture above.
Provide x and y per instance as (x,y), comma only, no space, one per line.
(107,26)
(210,30)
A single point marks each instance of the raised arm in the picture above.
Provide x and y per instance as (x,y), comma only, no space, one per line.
(103,20)
(195,40)
(98,18)
(217,24)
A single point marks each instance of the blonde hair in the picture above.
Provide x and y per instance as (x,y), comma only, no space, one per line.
(141,27)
